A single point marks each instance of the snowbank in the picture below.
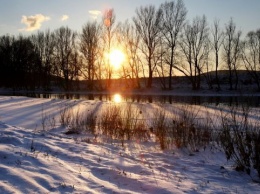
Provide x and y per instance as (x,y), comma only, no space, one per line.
(37,161)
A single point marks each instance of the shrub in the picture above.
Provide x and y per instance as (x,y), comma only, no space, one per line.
(65,115)
(186,131)
(72,119)
(111,122)
(90,121)
(123,123)
(47,121)
(76,122)
(160,127)
(240,139)
(182,129)
(133,124)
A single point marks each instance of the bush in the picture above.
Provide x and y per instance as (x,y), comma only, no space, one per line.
(111,121)
(72,119)
(123,123)
(240,139)
(133,124)
(182,130)
(126,122)
(65,115)
(160,127)
(187,131)
(90,121)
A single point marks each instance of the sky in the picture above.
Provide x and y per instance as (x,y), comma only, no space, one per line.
(29,16)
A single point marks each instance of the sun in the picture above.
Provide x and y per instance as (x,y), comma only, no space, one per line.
(116,58)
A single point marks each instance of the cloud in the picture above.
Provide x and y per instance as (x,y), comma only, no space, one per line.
(94,13)
(33,22)
(64,17)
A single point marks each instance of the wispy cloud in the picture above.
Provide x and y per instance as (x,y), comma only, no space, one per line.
(33,22)
(64,17)
(94,13)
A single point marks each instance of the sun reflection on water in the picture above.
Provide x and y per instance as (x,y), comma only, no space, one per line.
(117,98)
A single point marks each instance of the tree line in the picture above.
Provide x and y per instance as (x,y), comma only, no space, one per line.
(157,42)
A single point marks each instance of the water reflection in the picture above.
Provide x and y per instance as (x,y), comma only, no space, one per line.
(117,98)
(196,100)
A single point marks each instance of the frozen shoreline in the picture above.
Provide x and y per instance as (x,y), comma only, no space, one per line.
(150,92)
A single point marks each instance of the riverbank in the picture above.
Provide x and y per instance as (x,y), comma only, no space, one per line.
(144,91)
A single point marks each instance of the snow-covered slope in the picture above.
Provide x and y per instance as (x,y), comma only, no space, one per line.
(37,161)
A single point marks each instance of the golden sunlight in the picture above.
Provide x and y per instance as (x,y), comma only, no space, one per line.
(117,98)
(116,58)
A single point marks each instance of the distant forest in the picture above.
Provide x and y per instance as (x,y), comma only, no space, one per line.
(157,42)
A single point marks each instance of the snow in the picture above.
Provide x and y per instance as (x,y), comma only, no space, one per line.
(33,160)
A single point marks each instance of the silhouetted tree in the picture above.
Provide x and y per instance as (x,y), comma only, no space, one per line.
(109,19)
(217,42)
(129,39)
(147,22)
(232,51)
(173,17)
(25,64)
(251,55)
(162,69)
(44,43)
(65,53)
(195,47)
(89,47)
(6,60)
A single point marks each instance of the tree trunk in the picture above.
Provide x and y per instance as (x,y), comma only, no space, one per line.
(216,73)
(171,68)
(150,79)
(230,80)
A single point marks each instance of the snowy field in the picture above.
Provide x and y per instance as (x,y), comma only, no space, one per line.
(33,160)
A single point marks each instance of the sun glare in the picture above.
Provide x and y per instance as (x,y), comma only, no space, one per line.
(116,58)
(117,98)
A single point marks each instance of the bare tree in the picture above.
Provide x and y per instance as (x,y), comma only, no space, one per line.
(162,70)
(173,17)
(44,43)
(217,42)
(147,22)
(66,55)
(101,69)
(26,64)
(251,56)
(195,47)
(109,19)
(232,50)
(89,47)
(6,60)
(129,39)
